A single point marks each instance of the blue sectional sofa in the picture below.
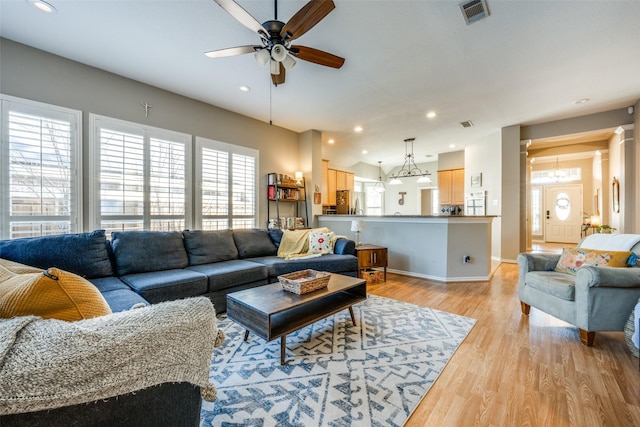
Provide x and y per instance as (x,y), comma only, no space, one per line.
(153,266)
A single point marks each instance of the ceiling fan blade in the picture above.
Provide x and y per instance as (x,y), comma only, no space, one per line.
(232,51)
(278,79)
(317,56)
(244,17)
(307,17)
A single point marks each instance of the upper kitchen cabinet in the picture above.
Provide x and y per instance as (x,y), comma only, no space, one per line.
(451,186)
(332,186)
(334,180)
(344,181)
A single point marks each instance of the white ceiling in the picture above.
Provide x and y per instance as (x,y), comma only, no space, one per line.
(526,63)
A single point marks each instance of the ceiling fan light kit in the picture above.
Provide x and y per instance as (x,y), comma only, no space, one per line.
(276,37)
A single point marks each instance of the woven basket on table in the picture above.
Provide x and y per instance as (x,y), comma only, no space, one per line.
(304,281)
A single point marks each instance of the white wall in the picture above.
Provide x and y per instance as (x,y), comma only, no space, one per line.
(483,158)
(413,196)
(40,76)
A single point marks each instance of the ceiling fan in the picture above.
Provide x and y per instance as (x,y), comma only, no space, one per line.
(276,37)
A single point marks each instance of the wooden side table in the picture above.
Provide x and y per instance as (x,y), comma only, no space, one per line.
(371,256)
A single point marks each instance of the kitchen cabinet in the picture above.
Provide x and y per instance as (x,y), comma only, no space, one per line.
(332,176)
(451,187)
(325,182)
(334,180)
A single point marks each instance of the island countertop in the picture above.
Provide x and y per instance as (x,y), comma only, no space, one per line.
(428,246)
(405,216)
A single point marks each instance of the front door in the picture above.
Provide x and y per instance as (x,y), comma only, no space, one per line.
(563,213)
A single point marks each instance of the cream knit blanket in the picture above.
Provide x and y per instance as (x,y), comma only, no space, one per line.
(45,364)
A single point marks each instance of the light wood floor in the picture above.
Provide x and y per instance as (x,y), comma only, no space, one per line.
(514,370)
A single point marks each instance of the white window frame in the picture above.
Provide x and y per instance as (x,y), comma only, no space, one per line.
(96,122)
(10,103)
(230,149)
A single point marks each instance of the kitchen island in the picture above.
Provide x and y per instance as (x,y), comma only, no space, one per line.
(428,246)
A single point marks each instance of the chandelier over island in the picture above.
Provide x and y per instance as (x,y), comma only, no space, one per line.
(409,168)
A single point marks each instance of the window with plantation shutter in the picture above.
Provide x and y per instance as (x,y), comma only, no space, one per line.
(142,176)
(226,194)
(40,188)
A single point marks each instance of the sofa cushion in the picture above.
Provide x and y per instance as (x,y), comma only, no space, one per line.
(118,295)
(572,259)
(167,285)
(228,274)
(53,294)
(123,299)
(148,251)
(332,263)
(84,254)
(560,285)
(276,236)
(253,242)
(207,246)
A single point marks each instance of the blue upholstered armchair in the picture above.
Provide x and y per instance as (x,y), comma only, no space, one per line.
(596,298)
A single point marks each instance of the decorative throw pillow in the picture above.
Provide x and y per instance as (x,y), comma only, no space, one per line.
(52,294)
(320,243)
(574,258)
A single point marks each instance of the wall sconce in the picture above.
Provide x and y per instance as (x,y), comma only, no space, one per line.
(357,226)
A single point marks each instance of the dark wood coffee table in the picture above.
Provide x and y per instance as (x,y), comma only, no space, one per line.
(271,312)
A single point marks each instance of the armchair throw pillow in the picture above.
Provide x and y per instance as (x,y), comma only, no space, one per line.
(574,258)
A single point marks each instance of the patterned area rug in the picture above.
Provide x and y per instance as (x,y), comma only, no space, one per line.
(336,374)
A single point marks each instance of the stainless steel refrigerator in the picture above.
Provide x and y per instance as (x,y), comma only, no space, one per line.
(343,202)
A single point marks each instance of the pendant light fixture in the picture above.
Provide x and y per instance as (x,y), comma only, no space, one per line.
(409,168)
(379,185)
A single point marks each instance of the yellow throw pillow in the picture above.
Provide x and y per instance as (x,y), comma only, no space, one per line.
(574,258)
(53,294)
(15,267)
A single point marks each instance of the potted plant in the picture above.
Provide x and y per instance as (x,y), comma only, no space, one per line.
(605,229)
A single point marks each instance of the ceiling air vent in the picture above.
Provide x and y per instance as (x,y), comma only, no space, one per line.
(466,124)
(474,10)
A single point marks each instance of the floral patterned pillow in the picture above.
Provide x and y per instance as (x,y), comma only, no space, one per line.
(320,243)
(574,258)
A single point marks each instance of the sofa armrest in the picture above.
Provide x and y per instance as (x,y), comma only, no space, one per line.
(344,247)
(47,364)
(533,262)
(538,262)
(605,296)
(608,277)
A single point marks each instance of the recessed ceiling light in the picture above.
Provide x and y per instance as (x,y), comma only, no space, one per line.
(582,101)
(431,114)
(42,6)
(364,151)
(358,129)
(244,88)
(331,141)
